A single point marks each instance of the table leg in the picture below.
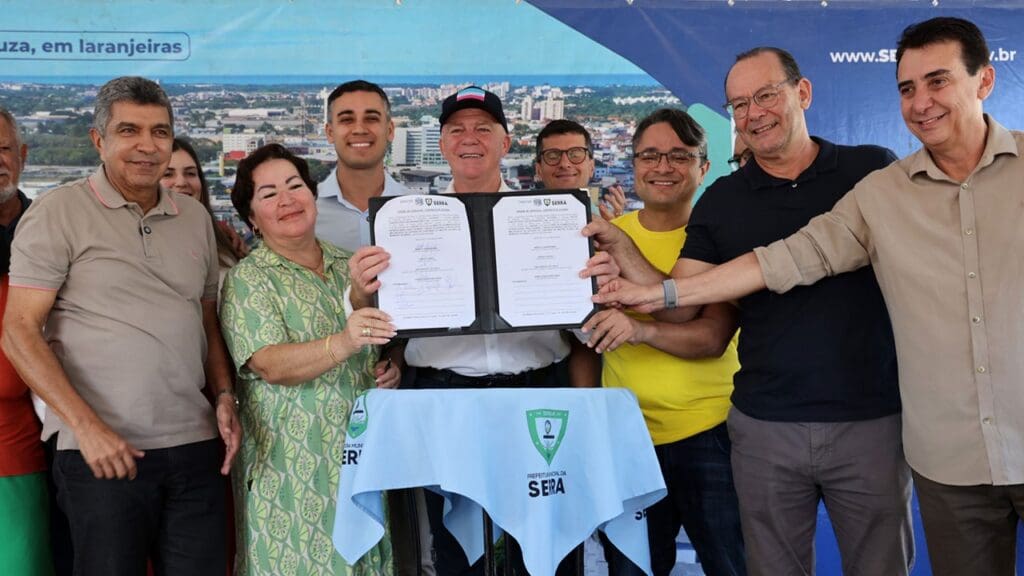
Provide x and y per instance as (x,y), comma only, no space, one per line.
(489,565)
(511,549)
(414,517)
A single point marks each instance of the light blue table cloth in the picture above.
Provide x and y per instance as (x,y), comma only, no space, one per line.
(548,465)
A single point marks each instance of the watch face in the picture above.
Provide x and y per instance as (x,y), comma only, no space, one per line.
(671,298)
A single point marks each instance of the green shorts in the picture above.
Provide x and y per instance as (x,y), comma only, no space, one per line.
(25,525)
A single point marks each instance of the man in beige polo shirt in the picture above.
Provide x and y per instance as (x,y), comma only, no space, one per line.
(942,230)
(112,321)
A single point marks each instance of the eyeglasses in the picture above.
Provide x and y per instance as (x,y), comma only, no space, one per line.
(736,161)
(676,157)
(576,155)
(764,98)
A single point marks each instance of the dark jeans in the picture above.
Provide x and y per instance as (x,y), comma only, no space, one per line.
(970,529)
(702,499)
(60,533)
(173,511)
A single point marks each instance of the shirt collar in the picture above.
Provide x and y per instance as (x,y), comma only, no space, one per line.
(451,187)
(264,257)
(109,197)
(998,141)
(827,160)
(333,255)
(330,188)
(25,202)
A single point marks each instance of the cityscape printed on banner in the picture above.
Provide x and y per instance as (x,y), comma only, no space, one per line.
(225,122)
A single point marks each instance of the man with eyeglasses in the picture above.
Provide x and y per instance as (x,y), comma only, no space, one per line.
(816,410)
(681,373)
(740,155)
(565,159)
(942,229)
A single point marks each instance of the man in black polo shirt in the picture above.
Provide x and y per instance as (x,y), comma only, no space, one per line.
(815,408)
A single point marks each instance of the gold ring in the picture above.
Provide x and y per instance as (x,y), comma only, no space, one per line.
(367,331)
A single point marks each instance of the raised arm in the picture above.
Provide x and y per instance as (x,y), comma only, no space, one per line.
(613,204)
(364,266)
(730,281)
(295,363)
(706,336)
(631,264)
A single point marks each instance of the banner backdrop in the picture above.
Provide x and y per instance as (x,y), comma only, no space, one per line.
(847,49)
(264,67)
(240,74)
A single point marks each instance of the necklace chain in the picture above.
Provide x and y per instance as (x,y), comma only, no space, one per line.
(319,268)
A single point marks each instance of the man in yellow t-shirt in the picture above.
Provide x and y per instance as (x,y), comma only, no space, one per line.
(680,373)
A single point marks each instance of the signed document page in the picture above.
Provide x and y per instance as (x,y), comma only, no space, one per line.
(429,283)
(540,251)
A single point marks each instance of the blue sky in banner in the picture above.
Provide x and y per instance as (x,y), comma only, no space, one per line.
(291,42)
(281,37)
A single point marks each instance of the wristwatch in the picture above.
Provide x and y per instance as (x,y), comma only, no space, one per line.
(671,298)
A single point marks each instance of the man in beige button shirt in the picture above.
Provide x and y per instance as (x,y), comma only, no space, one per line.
(942,229)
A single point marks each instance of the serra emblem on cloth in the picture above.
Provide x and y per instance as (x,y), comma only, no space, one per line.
(358,419)
(547,428)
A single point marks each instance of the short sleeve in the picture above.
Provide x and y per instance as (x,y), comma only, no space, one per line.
(41,252)
(700,244)
(832,243)
(250,316)
(213,266)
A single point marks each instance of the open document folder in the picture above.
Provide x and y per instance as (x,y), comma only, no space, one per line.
(484,263)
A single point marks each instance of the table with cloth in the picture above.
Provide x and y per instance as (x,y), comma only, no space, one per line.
(549,466)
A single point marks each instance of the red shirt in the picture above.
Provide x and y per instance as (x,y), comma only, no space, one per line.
(21,451)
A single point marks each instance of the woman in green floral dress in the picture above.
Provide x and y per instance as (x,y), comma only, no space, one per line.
(301,363)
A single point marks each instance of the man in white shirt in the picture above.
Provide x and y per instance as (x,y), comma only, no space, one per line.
(474,139)
(565,159)
(360,127)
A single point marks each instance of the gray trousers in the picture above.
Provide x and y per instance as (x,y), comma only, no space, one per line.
(783,469)
(970,529)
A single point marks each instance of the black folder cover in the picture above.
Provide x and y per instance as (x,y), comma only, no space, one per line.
(481,229)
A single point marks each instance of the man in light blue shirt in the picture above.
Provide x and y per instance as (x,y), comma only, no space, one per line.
(360,127)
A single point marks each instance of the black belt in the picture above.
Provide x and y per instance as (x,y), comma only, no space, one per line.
(538,378)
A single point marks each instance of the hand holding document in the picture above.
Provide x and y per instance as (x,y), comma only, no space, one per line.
(429,283)
(538,249)
(483,263)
